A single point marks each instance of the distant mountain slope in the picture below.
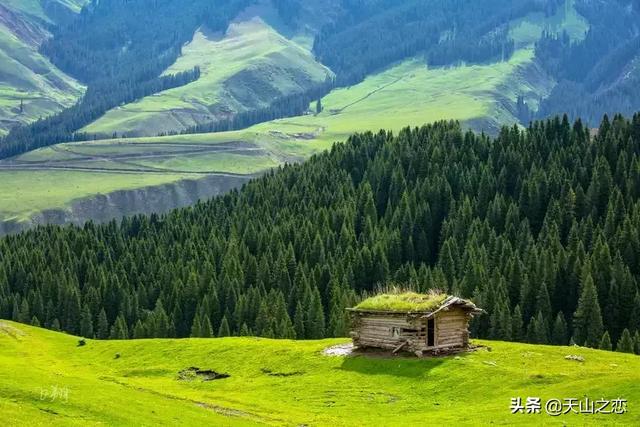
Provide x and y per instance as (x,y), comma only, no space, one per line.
(247,68)
(30,86)
(601,73)
(121,50)
(481,96)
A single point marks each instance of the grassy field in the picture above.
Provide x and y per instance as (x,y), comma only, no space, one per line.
(46,379)
(25,75)
(245,69)
(406,93)
(409,93)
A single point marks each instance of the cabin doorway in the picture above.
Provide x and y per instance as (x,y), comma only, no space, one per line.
(431,332)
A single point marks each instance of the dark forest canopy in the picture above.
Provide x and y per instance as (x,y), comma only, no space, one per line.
(540,227)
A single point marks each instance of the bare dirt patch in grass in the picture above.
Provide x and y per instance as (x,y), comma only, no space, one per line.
(193,373)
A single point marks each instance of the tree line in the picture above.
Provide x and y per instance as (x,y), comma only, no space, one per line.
(540,227)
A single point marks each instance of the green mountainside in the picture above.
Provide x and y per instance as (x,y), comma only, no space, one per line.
(280,382)
(409,92)
(30,86)
(246,68)
(526,62)
(196,194)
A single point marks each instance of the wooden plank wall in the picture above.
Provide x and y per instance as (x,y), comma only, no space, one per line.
(376,331)
(372,330)
(452,328)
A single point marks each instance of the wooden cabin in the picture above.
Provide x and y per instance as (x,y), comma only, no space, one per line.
(421,324)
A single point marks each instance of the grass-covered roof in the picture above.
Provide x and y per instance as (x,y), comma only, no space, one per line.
(403,302)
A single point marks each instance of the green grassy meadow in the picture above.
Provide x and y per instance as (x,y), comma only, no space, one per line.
(381,101)
(411,93)
(46,379)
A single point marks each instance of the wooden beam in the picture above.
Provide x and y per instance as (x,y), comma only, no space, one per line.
(397,349)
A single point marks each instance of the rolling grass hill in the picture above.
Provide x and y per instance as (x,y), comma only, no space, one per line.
(244,69)
(26,76)
(271,382)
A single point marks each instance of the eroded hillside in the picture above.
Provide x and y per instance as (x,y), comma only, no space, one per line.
(30,86)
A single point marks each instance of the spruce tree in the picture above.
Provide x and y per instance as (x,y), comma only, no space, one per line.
(224,330)
(119,330)
(559,331)
(264,321)
(587,320)
(337,316)
(139,330)
(103,325)
(15,313)
(196,327)
(634,317)
(315,324)
(86,323)
(605,342)
(531,331)
(540,329)
(244,330)
(517,331)
(206,331)
(625,343)
(543,302)
(23,313)
(298,321)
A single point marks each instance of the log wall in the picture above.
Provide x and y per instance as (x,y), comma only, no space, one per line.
(452,328)
(376,330)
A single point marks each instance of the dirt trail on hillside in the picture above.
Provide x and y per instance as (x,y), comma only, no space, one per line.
(373,92)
